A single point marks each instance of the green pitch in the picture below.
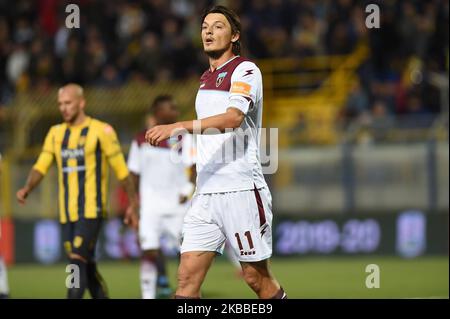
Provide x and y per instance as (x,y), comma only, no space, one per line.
(301,278)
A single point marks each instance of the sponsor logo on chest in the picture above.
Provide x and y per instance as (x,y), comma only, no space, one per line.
(77,153)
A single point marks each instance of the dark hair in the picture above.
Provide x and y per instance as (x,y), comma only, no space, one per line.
(160,99)
(234,21)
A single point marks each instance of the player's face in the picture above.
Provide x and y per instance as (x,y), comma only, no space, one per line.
(70,105)
(217,35)
(167,113)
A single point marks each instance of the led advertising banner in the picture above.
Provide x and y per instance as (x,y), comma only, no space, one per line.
(408,234)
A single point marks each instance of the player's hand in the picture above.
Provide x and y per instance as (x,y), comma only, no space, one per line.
(22,195)
(159,133)
(131,216)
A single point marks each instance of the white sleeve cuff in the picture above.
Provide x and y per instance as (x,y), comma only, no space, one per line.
(240,102)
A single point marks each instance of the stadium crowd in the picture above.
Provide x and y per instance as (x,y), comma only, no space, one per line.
(158,40)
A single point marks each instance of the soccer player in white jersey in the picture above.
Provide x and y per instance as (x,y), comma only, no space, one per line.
(164,188)
(231,199)
(4,289)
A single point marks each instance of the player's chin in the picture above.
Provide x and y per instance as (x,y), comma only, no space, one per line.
(208,49)
(214,52)
(211,46)
(67,118)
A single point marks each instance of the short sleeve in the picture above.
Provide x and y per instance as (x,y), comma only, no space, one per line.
(246,86)
(47,154)
(111,148)
(133,158)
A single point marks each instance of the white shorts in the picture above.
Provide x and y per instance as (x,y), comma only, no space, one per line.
(244,217)
(152,226)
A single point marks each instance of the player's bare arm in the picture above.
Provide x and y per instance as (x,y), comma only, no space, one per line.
(131,214)
(231,119)
(33,180)
(135,178)
(192,180)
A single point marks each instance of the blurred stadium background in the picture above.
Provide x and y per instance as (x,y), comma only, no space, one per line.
(363,169)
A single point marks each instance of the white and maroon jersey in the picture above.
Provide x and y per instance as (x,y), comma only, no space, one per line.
(162,174)
(230,161)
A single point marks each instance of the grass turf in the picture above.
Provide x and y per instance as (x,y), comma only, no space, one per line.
(426,277)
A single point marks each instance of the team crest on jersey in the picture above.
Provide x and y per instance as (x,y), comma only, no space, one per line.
(220,78)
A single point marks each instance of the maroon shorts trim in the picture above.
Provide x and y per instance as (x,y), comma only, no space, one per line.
(262,215)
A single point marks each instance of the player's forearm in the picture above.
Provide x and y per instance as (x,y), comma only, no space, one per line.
(33,180)
(215,124)
(129,187)
(135,179)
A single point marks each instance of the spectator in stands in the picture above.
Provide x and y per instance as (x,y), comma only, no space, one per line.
(157,40)
(109,78)
(381,121)
(357,104)
(308,36)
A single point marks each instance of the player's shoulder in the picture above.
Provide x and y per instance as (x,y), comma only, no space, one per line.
(245,61)
(239,62)
(101,127)
(245,67)
(247,64)
(204,75)
(54,129)
(98,123)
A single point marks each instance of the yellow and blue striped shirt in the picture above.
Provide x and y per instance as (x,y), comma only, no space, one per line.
(82,154)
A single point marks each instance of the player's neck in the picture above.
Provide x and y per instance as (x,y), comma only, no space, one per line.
(79,120)
(215,63)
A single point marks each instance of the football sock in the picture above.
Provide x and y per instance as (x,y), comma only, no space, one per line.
(162,281)
(96,284)
(280,294)
(78,292)
(148,278)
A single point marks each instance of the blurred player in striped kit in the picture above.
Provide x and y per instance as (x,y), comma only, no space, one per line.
(83,148)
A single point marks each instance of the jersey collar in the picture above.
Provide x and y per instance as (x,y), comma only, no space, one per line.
(81,125)
(223,64)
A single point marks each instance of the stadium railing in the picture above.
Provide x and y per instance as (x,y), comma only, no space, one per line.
(310,90)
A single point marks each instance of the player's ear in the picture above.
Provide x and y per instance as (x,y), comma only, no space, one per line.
(235,37)
(82,103)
